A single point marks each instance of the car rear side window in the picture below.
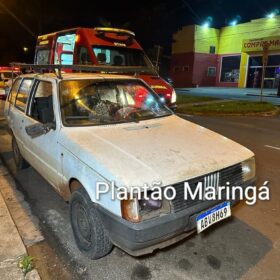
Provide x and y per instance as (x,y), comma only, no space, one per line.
(14,91)
(23,93)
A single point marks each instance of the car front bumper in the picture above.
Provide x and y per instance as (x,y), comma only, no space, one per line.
(143,238)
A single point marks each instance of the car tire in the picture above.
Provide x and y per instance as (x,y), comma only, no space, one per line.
(89,232)
(20,162)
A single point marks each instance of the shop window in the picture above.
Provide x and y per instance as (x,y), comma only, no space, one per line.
(230,69)
(255,61)
(211,72)
(271,74)
(274,60)
(212,50)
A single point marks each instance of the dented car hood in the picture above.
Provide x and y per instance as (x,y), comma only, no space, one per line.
(166,150)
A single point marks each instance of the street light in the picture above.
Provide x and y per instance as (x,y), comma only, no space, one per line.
(206,24)
(233,22)
(271,15)
(25,49)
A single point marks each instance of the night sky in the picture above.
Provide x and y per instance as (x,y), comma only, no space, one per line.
(154,22)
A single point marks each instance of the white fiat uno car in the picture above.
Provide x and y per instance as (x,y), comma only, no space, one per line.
(80,129)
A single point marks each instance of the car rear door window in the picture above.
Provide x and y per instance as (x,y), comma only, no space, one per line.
(23,92)
(14,91)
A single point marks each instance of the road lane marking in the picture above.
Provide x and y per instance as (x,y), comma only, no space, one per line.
(272,147)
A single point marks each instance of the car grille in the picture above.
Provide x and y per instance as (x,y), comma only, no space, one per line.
(232,174)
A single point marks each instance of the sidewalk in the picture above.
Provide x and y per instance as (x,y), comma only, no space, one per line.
(248,94)
(11,244)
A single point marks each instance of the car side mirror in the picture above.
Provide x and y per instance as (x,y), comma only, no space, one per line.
(39,129)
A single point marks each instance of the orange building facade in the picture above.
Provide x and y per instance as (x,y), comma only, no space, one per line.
(227,57)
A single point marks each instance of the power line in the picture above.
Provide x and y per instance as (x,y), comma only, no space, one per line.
(191,9)
(18,20)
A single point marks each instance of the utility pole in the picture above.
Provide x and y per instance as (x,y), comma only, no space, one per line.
(158,50)
(264,61)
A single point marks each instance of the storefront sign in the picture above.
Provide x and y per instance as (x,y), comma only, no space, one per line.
(255,45)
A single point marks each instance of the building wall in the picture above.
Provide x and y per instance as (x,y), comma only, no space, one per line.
(202,61)
(227,41)
(231,37)
(183,40)
(182,69)
(204,38)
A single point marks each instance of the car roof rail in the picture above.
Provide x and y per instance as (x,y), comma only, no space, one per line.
(59,68)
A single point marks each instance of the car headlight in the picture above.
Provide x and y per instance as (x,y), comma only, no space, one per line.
(173,96)
(248,169)
(135,210)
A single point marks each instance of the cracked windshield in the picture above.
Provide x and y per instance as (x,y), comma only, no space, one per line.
(88,102)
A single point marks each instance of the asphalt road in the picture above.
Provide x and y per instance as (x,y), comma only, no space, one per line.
(246,245)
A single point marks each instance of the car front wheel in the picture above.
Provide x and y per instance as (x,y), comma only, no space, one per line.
(89,232)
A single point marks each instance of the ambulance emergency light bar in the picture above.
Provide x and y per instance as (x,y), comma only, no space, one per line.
(114,30)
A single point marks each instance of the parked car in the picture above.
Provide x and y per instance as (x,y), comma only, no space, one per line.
(6,75)
(78,129)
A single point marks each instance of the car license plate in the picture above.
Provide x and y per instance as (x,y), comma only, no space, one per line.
(212,216)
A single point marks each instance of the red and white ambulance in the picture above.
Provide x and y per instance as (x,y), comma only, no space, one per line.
(101,46)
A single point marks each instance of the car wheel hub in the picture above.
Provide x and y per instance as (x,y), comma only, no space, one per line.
(83,222)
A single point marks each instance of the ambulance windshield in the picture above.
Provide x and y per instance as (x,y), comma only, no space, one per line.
(119,56)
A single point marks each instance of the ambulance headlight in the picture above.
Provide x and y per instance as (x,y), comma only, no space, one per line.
(174,96)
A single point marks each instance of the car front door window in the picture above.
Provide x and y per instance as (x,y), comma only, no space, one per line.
(41,108)
(43,151)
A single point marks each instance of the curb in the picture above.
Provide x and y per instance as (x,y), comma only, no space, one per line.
(273,113)
(12,246)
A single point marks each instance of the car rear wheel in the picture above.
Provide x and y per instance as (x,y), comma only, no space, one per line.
(89,232)
(20,162)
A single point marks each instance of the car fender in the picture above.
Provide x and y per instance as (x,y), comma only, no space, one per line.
(74,169)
